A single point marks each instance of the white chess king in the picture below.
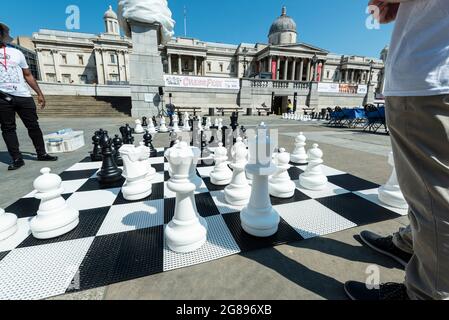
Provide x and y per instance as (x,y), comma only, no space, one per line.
(187,231)
(54,218)
(8,224)
(391,193)
(313,178)
(280,184)
(259,219)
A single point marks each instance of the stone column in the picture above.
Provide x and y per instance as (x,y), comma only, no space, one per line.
(105,73)
(270,63)
(169,64)
(352,76)
(204,66)
(195,66)
(315,71)
(286,69)
(278,68)
(322,70)
(294,70)
(301,70)
(41,67)
(179,64)
(55,54)
(309,70)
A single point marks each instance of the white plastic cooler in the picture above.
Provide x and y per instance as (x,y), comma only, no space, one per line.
(65,140)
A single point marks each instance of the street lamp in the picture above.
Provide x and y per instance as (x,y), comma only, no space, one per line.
(314,62)
(371,67)
(245,61)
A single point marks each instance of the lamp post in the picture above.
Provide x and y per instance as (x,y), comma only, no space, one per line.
(314,62)
(245,61)
(371,67)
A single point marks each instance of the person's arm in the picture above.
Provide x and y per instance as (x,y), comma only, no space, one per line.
(29,78)
(388,9)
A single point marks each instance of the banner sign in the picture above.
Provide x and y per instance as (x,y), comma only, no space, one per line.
(362,89)
(328,87)
(201,82)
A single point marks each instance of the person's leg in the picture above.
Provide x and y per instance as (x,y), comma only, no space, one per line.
(8,127)
(403,239)
(26,109)
(419,128)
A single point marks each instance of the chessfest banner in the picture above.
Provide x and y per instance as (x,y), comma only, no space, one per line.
(201,82)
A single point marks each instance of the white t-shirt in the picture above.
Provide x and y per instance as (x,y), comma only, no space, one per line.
(418,59)
(11,74)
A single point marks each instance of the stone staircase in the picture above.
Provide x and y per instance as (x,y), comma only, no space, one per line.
(86,107)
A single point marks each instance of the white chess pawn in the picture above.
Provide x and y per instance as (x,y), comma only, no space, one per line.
(238,191)
(299,155)
(187,231)
(217,123)
(280,184)
(54,218)
(8,224)
(151,128)
(138,129)
(176,128)
(163,127)
(391,193)
(221,175)
(313,178)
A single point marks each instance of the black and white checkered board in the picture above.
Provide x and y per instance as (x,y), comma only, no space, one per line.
(118,240)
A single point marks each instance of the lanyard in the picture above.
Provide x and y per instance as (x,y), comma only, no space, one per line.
(4,56)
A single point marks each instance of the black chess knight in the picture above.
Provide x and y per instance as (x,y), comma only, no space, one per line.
(109,172)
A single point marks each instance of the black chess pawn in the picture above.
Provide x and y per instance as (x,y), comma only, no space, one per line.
(96,152)
(204,121)
(144,122)
(117,143)
(109,172)
(148,141)
(171,124)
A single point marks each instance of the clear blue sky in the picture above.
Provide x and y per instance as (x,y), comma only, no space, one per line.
(335,25)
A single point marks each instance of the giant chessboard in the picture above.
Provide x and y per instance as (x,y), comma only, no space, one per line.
(119,240)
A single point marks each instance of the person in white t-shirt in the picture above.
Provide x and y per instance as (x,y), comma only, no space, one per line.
(15,98)
(417,106)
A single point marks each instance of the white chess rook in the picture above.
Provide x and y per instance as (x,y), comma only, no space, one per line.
(8,224)
(259,219)
(187,232)
(391,194)
(136,172)
(139,129)
(54,218)
(313,178)
(239,191)
(221,175)
(299,155)
(163,126)
(280,184)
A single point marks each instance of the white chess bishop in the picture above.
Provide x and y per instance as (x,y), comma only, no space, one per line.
(163,126)
(299,155)
(258,218)
(187,232)
(138,129)
(238,191)
(54,217)
(136,172)
(280,184)
(313,178)
(391,194)
(221,175)
(8,224)
(151,128)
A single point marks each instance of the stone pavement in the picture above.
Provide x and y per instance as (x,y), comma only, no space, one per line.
(311,269)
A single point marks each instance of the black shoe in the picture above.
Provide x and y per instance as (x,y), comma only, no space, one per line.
(388,292)
(16,164)
(46,157)
(386,247)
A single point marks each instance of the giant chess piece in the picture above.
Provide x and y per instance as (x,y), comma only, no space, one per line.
(186,126)
(109,172)
(313,178)
(391,194)
(128,135)
(259,219)
(96,152)
(208,124)
(238,191)
(54,218)
(181,123)
(299,155)
(176,128)
(280,184)
(151,128)
(135,171)
(144,122)
(148,141)
(187,232)
(234,121)
(117,144)
(139,128)
(163,127)
(8,224)
(221,175)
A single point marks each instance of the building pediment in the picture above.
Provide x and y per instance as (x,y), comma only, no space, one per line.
(303,47)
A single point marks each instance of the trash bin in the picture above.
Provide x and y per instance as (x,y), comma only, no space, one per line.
(211,112)
(249,111)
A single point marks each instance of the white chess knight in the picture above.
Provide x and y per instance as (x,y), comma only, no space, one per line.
(176,128)
(8,224)
(136,172)
(221,175)
(391,194)
(280,184)
(151,128)
(258,218)
(238,191)
(313,178)
(299,155)
(138,129)
(54,217)
(187,232)
(163,125)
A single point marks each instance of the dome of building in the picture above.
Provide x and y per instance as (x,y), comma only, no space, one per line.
(110,14)
(283,30)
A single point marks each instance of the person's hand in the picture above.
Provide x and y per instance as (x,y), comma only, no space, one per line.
(41,101)
(388,10)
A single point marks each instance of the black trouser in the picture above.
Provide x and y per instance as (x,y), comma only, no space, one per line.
(26,109)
